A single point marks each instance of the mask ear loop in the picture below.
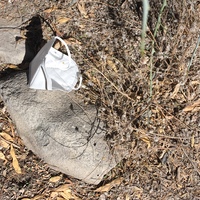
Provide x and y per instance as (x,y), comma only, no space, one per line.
(63,42)
(80,82)
(69,54)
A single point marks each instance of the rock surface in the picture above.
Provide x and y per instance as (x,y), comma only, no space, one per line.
(20,41)
(61,131)
(11,51)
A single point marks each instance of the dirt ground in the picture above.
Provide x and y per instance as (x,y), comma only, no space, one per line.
(150,103)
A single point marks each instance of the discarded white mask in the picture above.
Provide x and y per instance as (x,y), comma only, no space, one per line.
(53,70)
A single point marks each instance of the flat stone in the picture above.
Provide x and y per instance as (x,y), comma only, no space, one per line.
(11,51)
(20,40)
(59,128)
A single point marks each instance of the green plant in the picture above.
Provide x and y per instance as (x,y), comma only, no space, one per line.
(144,27)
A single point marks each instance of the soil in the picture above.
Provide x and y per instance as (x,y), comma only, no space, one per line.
(149,102)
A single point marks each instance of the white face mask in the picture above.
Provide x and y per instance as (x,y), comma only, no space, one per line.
(53,70)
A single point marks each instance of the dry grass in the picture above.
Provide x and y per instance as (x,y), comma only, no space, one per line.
(159,130)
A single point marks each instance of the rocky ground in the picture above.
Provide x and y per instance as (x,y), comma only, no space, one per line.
(150,103)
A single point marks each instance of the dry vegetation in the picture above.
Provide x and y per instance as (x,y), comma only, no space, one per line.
(156,123)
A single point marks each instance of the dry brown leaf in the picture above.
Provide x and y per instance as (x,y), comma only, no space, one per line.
(63,20)
(72,41)
(144,137)
(4,144)
(128,197)
(112,65)
(82,10)
(192,106)
(176,90)
(54,195)
(15,161)
(147,141)
(25,199)
(137,192)
(2,156)
(137,189)
(6,136)
(11,66)
(196,109)
(60,198)
(107,187)
(49,10)
(62,188)
(38,197)
(66,194)
(54,179)
(91,14)
(195,82)
(169,117)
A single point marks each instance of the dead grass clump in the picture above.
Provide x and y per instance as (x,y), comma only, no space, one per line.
(120,80)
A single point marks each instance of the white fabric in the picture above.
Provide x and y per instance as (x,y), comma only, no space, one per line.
(53,70)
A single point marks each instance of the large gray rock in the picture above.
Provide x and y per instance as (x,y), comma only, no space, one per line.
(58,128)
(11,51)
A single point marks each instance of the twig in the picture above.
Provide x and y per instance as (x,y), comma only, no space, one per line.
(16,146)
(185,125)
(118,90)
(167,136)
(194,53)
(159,18)
(195,168)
